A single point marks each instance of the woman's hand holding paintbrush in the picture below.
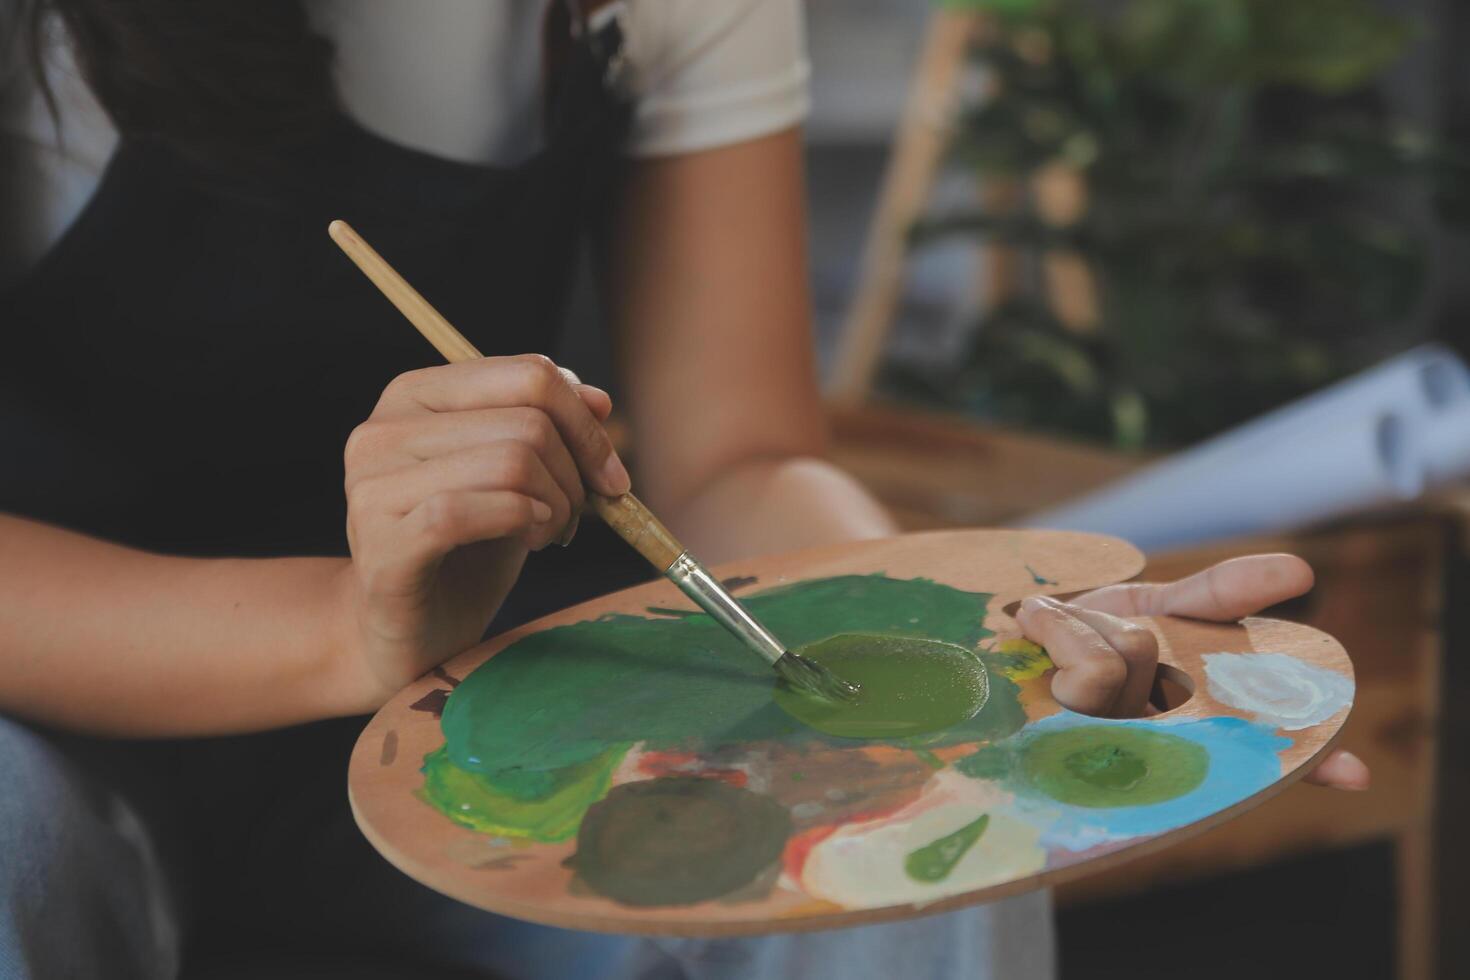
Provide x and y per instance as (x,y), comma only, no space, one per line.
(539,379)
(456,474)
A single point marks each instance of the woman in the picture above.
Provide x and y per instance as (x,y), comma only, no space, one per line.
(181,614)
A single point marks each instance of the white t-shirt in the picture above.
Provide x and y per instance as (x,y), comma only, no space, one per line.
(456,78)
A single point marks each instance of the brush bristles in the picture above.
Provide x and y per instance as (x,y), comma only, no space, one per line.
(812,678)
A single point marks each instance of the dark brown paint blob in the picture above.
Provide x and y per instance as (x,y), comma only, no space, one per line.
(678,840)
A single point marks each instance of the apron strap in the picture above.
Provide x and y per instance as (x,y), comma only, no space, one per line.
(597,26)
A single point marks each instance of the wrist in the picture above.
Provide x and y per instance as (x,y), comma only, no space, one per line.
(351,686)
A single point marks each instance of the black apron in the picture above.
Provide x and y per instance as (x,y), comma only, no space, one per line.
(180,373)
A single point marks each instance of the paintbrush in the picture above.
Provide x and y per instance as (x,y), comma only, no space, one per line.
(625,514)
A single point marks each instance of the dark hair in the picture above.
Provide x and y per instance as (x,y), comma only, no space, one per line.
(210,76)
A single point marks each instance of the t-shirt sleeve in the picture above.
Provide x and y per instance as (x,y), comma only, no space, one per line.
(708,74)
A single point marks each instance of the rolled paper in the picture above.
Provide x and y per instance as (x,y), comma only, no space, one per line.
(1446,446)
(1377,438)
(1317,473)
(1424,384)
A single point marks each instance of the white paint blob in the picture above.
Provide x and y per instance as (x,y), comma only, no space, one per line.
(862,865)
(1278,689)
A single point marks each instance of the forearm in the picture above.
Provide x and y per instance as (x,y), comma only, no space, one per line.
(766,505)
(100,638)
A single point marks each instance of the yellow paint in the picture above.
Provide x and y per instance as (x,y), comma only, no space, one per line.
(1020,659)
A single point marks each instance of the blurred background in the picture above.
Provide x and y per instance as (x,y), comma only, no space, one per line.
(1055,241)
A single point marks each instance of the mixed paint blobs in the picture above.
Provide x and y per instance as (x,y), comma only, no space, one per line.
(536,735)
(542,806)
(907,686)
(1110,765)
(1277,689)
(678,840)
(1086,782)
(959,835)
(561,696)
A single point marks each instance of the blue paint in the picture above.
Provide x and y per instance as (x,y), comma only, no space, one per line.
(1040,579)
(1244,759)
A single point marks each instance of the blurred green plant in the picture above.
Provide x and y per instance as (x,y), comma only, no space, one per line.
(1246,223)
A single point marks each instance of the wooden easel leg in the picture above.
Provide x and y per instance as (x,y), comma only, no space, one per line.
(918,150)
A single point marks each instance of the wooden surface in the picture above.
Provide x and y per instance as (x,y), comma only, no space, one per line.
(425,844)
(940,471)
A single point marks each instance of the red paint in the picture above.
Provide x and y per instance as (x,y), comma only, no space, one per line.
(799,846)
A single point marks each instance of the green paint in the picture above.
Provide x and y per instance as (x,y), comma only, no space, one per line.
(908,686)
(544,806)
(1107,767)
(1110,765)
(1040,579)
(934,861)
(678,840)
(993,762)
(562,696)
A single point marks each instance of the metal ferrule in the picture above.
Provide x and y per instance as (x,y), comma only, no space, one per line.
(707,593)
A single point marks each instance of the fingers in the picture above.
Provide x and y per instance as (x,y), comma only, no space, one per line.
(1139,650)
(509,466)
(599,401)
(1341,770)
(381,447)
(1092,674)
(453,518)
(1224,593)
(508,382)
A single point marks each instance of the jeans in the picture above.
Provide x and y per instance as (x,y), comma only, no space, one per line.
(117,859)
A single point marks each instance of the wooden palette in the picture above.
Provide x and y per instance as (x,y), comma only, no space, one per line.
(622,767)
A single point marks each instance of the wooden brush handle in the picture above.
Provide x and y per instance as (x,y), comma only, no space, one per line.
(626,515)
(635,524)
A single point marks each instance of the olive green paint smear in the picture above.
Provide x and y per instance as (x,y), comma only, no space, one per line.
(1110,765)
(907,686)
(542,806)
(934,861)
(678,840)
(562,696)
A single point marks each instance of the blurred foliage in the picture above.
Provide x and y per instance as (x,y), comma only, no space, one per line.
(1246,226)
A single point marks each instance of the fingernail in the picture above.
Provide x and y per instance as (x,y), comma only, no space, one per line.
(570,531)
(570,375)
(540,511)
(1030,605)
(615,476)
